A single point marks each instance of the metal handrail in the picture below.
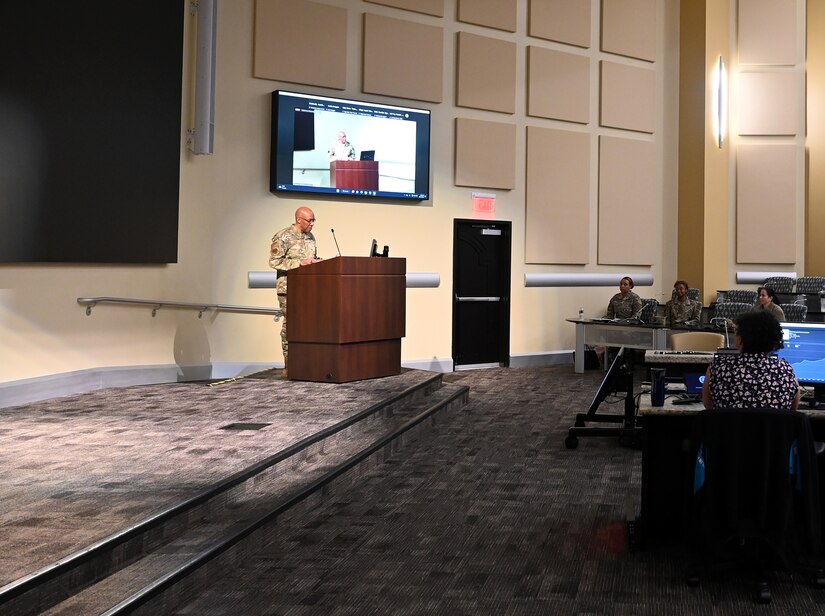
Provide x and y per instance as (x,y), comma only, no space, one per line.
(91,302)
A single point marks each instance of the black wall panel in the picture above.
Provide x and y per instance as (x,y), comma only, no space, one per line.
(90,134)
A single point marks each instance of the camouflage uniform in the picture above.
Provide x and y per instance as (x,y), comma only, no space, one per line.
(676,312)
(289,247)
(624,306)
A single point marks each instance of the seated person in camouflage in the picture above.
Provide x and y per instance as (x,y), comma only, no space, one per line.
(625,304)
(682,310)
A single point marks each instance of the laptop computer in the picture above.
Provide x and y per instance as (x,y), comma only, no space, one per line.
(368,155)
(693,385)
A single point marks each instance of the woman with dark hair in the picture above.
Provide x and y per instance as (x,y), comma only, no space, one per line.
(682,310)
(754,377)
(625,304)
(767,299)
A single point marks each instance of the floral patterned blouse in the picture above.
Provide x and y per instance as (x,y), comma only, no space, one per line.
(752,380)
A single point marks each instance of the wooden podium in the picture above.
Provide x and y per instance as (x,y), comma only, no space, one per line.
(346,318)
(354,174)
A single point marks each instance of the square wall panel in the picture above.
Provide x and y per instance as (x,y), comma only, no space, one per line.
(766,203)
(403,59)
(557,217)
(499,14)
(301,42)
(768,32)
(428,7)
(770,103)
(485,154)
(628,97)
(563,21)
(629,28)
(486,73)
(558,85)
(629,203)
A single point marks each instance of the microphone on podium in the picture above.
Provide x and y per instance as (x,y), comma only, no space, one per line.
(336,242)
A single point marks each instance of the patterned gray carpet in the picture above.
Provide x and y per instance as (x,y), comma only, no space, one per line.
(489,515)
(486,514)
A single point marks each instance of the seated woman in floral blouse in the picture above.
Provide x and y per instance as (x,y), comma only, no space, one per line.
(755,377)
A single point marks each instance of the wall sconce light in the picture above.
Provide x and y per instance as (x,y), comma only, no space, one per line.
(720,102)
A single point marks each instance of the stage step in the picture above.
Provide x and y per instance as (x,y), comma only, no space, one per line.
(157,563)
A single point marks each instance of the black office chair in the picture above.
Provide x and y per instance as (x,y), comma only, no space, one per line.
(649,309)
(780,284)
(744,296)
(810,284)
(731,310)
(756,494)
(795,313)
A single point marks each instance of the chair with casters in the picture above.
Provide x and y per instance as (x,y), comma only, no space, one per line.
(780,284)
(696,341)
(795,313)
(810,284)
(731,310)
(755,500)
(744,296)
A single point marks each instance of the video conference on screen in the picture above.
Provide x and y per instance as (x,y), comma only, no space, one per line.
(307,129)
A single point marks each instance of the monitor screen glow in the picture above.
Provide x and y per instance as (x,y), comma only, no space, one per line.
(349,148)
(805,351)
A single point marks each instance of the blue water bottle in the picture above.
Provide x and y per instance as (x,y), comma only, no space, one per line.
(657,386)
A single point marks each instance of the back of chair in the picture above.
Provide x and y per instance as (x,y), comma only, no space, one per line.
(696,341)
(756,476)
(731,310)
(649,308)
(741,295)
(810,284)
(795,313)
(780,284)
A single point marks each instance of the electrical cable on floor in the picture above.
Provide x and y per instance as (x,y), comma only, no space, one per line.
(238,378)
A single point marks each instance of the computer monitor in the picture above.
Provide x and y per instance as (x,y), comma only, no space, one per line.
(368,155)
(804,349)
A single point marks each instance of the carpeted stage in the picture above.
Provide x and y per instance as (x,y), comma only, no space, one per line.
(475,507)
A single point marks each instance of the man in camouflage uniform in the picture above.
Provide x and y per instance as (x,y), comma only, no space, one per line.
(292,247)
(682,310)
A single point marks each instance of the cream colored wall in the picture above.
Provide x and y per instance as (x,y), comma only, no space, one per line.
(227,217)
(815,217)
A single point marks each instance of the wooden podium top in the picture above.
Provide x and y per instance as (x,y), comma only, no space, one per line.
(359,266)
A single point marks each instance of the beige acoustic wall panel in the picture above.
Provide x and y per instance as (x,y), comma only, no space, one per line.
(768,32)
(766,199)
(301,42)
(428,7)
(628,97)
(499,14)
(565,21)
(557,221)
(770,103)
(485,154)
(486,73)
(403,59)
(558,85)
(629,205)
(629,28)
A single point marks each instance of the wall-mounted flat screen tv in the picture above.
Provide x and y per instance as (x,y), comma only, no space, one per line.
(342,147)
